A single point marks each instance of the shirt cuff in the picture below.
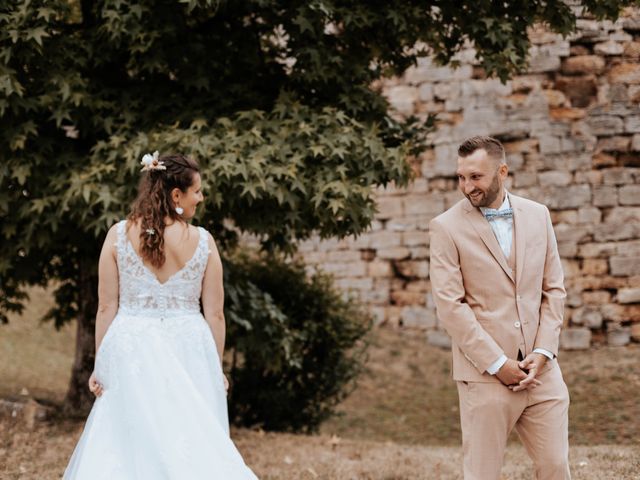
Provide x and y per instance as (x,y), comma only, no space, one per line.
(544,352)
(497,365)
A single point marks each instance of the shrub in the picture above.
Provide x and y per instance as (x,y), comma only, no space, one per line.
(294,344)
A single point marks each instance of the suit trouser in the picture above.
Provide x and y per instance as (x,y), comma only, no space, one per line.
(488,413)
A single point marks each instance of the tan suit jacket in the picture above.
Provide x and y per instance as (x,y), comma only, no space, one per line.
(487,308)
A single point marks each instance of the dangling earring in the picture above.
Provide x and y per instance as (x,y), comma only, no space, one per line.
(179,210)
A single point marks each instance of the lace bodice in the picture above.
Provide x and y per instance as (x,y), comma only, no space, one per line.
(142,294)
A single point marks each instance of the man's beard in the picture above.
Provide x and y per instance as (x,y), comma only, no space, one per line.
(486,198)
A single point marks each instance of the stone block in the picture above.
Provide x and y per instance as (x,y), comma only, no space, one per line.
(404,297)
(389,207)
(605,125)
(622,215)
(420,285)
(423,204)
(417,317)
(616,231)
(605,196)
(571,268)
(565,216)
(394,253)
(625,73)
(603,159)
(555,98)
(619,337)
(529,145)
(635,332)
(635,143)
(549,144)
(583,64)
(415,238)
(590,215)
(628,249)
(412,269)
(594,250)
(629,295)
(446,91)
(574,299)
(592,177)
(566,232)
(580,90)
(403,98)
(439,338)
(596,297)
(343,256)
(554,177)
(355,284)
(588,316)
(629,195)
(542,60)
(632,50)
(425,92)
(620,176)
(341,270)
(525,179)
(624,266)
(379,268)
(567,113)
(594,266)
(568,249)
(419,253)
(573,196)
(575,339)
(385,239)
(613,144)
(608,48)
(632,124)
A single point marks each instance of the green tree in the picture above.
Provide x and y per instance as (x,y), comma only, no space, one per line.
(274,97)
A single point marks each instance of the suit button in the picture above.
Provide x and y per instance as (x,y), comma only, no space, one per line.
(517,324)
(518,297)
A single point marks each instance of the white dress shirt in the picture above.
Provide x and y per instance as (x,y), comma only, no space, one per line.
(503,229)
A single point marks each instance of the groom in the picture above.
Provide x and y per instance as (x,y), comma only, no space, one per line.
(498,287)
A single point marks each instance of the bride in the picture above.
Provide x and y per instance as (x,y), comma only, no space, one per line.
(160,409)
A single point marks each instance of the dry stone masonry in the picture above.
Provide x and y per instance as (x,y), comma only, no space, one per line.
(571,129)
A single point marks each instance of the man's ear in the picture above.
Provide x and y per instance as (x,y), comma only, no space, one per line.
(503,170)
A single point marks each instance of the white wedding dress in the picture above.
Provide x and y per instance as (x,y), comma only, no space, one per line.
(163,411)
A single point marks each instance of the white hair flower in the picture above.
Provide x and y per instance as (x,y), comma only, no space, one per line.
(150,231)
(151,162)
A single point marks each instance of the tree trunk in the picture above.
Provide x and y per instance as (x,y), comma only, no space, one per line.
(79,399)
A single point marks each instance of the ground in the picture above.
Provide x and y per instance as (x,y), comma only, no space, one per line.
(400,422)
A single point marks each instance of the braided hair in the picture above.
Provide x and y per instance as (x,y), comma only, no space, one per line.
(154,203)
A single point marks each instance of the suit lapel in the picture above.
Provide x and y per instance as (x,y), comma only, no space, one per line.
(520,226)
(483,229)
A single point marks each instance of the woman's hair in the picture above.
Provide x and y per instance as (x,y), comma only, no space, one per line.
(153,203)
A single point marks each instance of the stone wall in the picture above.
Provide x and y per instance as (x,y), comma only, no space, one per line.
(571,128)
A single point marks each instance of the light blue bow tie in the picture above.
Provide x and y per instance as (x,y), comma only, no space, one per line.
(506,213)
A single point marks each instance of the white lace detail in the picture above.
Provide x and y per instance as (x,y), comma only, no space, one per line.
(142,294)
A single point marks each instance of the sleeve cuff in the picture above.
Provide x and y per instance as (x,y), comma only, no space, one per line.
(495,366)
(544,352)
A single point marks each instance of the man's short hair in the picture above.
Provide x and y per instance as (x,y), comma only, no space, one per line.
(492,146)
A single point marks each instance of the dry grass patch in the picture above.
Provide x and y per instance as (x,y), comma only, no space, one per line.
(42,454)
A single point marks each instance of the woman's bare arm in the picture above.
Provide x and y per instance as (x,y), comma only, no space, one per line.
(107,286)
(213,297)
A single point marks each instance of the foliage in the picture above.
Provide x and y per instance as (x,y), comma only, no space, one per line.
(296,344)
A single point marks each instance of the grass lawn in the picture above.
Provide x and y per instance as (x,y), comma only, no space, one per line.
(401,422)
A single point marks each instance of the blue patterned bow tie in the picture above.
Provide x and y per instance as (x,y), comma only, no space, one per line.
(506,213)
